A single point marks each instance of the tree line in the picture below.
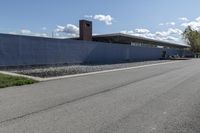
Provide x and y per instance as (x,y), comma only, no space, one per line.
(192,38)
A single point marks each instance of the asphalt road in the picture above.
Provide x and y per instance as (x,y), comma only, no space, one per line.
(154,99)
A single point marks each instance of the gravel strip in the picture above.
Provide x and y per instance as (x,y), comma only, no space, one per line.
(54,71)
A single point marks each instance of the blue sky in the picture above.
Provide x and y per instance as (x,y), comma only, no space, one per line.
(157,19)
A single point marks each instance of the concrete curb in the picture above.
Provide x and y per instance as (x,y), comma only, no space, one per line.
(20,75)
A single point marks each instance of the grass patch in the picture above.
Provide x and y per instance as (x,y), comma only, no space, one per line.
(8,81)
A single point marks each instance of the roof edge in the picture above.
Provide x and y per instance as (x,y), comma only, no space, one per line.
(139,37)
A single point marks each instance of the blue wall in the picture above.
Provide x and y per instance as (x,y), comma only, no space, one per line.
(25,50)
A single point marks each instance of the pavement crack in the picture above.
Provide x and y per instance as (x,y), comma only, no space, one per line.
(114,87)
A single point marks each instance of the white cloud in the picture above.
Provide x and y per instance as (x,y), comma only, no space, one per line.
(171,23)
(168,24)
(129,32)
(25,31)
(172,34)
(139,32)
(197,19)
(70,30)
(172,38)
(41,34)
(142,31)
(107,19)
(170,31)
(29,33)
(194,24)
(88,16)
(184,19)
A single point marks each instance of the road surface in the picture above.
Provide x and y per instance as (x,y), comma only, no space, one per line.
(155,99)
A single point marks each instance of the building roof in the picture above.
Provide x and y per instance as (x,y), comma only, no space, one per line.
(128,39)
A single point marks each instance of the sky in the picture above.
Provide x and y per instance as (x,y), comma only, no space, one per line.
(157,19)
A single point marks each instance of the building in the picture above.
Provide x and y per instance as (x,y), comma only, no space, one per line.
(20,50)
(119,38)
(136,41)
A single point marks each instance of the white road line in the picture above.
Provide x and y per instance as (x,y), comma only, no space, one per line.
(86,74)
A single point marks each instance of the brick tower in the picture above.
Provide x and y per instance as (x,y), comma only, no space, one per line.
(85,27)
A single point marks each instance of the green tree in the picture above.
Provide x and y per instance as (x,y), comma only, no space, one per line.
(192,38)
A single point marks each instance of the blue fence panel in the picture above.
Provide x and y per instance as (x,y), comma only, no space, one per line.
(25,50)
